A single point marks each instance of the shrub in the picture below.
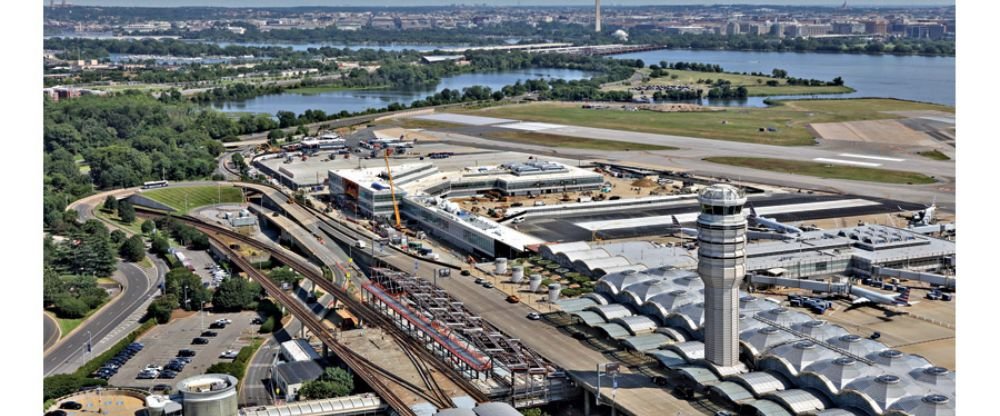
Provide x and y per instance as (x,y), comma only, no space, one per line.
(62,384)
(70,307)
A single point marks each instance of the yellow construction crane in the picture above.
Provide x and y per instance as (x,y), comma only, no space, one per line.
(392,189)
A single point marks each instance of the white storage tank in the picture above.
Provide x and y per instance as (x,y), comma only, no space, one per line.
(209,395)
(517,274)
(535,281)
(554,290)
(501,265)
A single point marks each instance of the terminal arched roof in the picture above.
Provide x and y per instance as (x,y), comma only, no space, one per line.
(763,407)
(614,330)
(567,258)
(857,345)
(929,405)
(667,358)
(833,374)
(732,392)
(690,350)
(760,382)
(611,311)
(820,329)
(638,294)
(837,412)
(759,340)
(751,304)
(647,342)
(637,324)
(693,315)
(942,379)
(700,375)
(790,359)
(589,318)
(784,316)
(613,284)
(898,362)
(550,251)
(598,265)
(797,401)
(619,269)
(877,393)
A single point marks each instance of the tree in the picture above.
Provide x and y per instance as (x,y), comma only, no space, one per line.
(161,308)
(110,204)
(134,249)
(274,135)
(302,130)
(126,212)
(148,226)
(160,245)
(181,282)
(235,294)
(70,307)
(286,119)
(534,411)
(838,81)
(334,382)
(284,274)
(118,237)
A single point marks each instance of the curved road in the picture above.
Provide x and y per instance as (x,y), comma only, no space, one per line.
(51,331)
(137,289)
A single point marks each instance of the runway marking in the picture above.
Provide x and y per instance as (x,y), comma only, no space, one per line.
(888,159)
(604,225)
(847,162)
(531,126)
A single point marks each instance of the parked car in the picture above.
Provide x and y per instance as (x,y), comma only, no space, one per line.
(230,354)
(147,374)
(479,280)
(465,273)
(186,353)
(209,334)
(488,285)
(534,316)
(70,405)
(168,374)
(513,299)
(256,321)
(162,388)
(199,341)
(56,413)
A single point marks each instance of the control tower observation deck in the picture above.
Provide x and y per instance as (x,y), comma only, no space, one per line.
(722,265)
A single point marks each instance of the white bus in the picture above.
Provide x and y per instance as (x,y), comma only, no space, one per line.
(154,184)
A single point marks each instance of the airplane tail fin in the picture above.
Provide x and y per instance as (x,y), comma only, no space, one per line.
(753,212)
(904,297)
(676,223)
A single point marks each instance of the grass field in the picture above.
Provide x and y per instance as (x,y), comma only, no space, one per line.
(789,118)
(756,85)
(824,170)
(184,199)
(135,227)
(934,154)
(554,140)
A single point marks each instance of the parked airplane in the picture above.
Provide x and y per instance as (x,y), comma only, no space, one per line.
(922,217)
(871,296)
(771,223)
(677,228)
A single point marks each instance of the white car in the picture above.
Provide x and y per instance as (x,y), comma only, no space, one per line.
(229,354)
(153,367)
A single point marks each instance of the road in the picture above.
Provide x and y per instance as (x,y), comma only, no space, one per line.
(137,288)
(50,331)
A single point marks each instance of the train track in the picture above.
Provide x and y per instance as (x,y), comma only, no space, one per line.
(361,310)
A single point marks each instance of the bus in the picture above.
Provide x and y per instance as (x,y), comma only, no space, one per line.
(155,184)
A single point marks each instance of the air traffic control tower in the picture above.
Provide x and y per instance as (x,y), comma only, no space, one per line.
(721,265)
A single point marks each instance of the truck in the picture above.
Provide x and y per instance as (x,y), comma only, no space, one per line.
(360,244)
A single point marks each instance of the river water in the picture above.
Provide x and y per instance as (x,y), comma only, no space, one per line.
(360,100)
(929,79)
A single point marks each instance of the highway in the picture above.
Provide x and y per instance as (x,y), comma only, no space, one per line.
(136,289)
(50,331)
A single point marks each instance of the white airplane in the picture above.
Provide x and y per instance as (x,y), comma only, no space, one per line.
(771,223)
(870,296)
(677,228)
(923,217)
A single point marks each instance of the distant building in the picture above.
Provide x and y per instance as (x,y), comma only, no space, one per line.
(926,31)
(847,28)
(877,27)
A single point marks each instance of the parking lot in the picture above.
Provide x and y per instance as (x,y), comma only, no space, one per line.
(164,341)
(202,263)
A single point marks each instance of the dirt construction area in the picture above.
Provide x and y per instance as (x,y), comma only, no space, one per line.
(873,131)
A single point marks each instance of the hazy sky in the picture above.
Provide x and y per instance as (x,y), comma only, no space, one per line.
(378,3)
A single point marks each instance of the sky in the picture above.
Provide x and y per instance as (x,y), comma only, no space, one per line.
(382,3)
